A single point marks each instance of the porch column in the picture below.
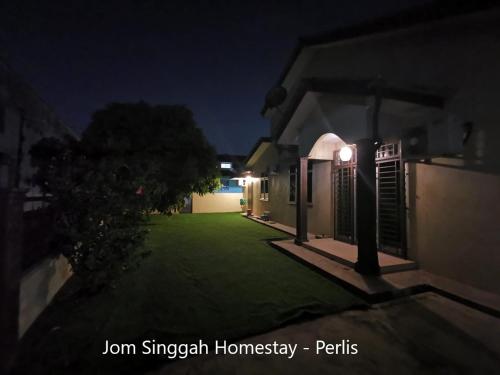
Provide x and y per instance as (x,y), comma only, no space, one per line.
(11,224)
(366,208)
(301,201)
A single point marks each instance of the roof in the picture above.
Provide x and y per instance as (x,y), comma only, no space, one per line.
(256,146)
(434,11)
(232,158)
(21,95)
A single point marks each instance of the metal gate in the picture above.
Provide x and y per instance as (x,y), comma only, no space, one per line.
(344,183)
(391,234)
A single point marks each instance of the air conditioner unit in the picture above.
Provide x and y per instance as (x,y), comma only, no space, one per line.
(439,138)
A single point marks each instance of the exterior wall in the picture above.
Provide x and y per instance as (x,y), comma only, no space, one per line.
(283,211)
(38,287)
(219,202)
(22,109)
(319,213)
(453,223)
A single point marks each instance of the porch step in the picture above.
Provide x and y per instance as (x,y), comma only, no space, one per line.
(390,285)
(278,226)
(330,254)
(372,288)
(347,254)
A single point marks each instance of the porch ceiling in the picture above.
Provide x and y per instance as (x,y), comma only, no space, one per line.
(341,107)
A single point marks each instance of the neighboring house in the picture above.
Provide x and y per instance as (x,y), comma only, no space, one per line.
(227,197)
(25,119)
(385,136)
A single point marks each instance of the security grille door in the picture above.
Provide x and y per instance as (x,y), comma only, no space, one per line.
(344,182)
(390,200)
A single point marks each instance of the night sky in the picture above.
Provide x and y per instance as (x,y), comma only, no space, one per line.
(217,57)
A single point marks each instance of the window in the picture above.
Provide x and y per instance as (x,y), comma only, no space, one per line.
(226,165)
(292,191)
(264,187)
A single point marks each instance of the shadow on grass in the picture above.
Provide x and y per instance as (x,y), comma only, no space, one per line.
(209,277)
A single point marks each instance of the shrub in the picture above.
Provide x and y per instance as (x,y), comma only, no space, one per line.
(133,159)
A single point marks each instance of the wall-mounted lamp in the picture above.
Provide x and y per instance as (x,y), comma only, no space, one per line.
(345,153)
(248,179)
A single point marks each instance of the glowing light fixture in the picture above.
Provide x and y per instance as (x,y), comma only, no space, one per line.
(345,153)
(246,178)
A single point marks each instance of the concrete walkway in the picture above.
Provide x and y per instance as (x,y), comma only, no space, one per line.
(278,226)
(423,334)
(399,277)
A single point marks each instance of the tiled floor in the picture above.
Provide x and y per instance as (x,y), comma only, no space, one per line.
(278,226)
(392,284)
(399,276)
(347,254)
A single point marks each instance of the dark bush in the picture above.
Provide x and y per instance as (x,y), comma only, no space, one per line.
(133,159)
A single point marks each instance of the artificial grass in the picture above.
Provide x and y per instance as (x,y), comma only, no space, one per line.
(209,276)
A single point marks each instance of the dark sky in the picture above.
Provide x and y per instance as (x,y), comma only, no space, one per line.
(217,57)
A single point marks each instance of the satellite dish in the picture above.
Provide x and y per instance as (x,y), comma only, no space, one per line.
(275,97)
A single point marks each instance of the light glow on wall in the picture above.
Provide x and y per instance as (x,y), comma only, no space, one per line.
(243,181)
(345,153)
(249,179)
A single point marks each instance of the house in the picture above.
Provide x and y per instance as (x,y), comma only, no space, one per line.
(25,119)
(384,138)
(228,197)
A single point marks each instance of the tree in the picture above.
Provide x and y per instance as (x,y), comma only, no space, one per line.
(158,146)
(133,159)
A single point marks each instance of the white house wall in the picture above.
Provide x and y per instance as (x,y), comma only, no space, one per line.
(453,224)
(339,121)
(319,214)
(279,207)
(283,211)
(38,287)
(217,202)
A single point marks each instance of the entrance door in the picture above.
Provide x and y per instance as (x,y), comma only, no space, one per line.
(391,217)
(344,173)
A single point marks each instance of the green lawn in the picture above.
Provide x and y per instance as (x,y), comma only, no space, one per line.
(210,276)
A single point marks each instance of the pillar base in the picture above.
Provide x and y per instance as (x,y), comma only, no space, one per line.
(299,241)
(367,269)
